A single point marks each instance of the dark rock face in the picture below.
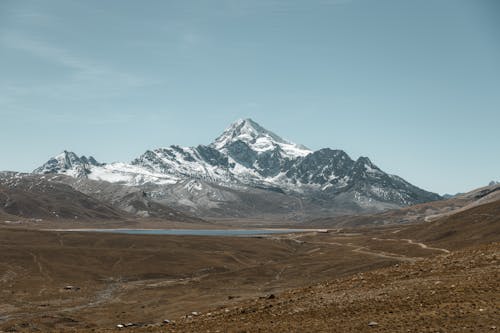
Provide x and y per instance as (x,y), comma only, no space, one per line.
(271,163)
(242,153)
(321,167)
(150,161)
(212,156)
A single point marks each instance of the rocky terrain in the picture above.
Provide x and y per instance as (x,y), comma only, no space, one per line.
(456,292)
(426,212)
(478,224)
(436,276)
(41,198)
(247,171)
(28,196)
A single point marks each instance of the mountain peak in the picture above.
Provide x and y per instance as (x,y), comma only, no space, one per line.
(245,130)
(68,162)
(258,139)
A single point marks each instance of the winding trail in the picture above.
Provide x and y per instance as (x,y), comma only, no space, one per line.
(235,258)
(100,297)
(380,254)
(118,262)
(37,262)
(365,250)
(59,238)
(409,241)
(280,272)
(422,245)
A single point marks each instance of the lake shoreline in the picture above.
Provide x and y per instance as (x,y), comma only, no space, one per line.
(191,232)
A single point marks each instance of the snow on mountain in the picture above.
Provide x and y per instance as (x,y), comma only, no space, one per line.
(70,164)
(245,153)
(258,139)
(183,162)
(248,155)
(128,174)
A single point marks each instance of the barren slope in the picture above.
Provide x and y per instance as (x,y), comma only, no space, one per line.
(479,224)
(37,198)
(457,292)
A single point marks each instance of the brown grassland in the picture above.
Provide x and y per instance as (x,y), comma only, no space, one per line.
(433,277)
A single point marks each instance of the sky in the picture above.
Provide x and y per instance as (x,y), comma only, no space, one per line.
(413,85)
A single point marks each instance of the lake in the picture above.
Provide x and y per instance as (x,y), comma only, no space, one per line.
(195,232)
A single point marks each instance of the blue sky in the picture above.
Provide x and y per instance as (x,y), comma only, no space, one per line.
(414,85)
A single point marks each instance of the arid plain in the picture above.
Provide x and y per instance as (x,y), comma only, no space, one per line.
(432,277)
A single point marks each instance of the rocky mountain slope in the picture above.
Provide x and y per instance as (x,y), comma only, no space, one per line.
(32,196)
(474,225)
(425,212)
(249,161)
(60,197)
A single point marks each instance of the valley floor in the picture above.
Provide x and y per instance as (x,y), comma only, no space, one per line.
(342,281)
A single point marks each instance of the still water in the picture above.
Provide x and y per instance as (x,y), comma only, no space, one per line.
(196,232)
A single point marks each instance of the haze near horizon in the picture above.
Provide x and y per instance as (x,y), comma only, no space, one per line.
(415,86)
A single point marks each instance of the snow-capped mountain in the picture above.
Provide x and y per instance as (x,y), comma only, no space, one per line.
(70,164)
(258,139)
(245,153)
(248,158)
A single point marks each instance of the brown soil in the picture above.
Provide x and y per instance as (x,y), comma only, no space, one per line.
(143,279)
(458,292)
(416,278)
(480,224)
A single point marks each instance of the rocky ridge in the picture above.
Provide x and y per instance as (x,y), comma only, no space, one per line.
(247,158)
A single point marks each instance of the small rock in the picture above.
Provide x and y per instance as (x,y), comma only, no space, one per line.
(120,326)
(71,288)
(166,321)
(372,324)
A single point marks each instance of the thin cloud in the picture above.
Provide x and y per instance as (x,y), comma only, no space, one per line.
(46,51)
(87,78)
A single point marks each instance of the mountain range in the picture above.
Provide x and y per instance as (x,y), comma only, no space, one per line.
(246,172)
